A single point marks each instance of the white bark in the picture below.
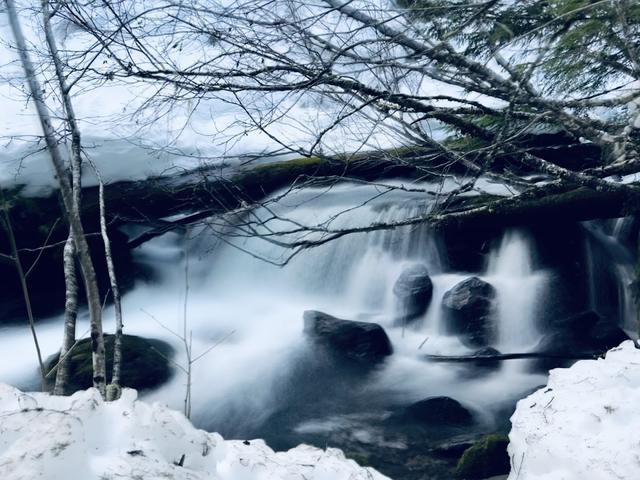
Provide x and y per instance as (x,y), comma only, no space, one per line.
(70,315)
(115,291)
(73,214)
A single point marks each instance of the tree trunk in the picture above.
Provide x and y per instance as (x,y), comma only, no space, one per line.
(72,213)
(114,393)
(70,315)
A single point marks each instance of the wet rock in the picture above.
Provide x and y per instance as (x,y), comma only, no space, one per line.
(561,251)
(487,363)
(605,335)
(414,290)
(582,335)
(145,363)
(469,307)
(356,341)
(488,457)
(580,323)
(438,411)
(562,350)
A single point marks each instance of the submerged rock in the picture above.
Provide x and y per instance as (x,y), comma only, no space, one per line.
(438,411)
(469,307)
(145,363)
(359,341)
(414,290)
(485,458)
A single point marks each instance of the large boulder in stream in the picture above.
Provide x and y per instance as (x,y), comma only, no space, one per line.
(437,411)
(145,363)
(414,290)
(361,342)
(469,307)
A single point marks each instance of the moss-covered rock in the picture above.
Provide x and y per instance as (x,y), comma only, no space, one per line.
(485,458)
(145,363)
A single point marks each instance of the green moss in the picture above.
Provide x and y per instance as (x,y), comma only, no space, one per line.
(144,363)
(485,458)
(270,174)
(464,143)
(288,164)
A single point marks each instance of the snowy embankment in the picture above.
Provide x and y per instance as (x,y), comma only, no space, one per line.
(81,437)
(584,424)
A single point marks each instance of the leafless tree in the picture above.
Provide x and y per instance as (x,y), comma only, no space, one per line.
(114,391)
(66,188)
(456,86)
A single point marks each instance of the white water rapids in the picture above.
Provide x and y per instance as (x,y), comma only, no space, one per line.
(254,372)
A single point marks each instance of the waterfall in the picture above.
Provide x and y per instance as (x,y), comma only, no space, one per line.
(263,369)
(519,290)
(616,264)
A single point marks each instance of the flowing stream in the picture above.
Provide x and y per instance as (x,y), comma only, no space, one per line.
(262,380)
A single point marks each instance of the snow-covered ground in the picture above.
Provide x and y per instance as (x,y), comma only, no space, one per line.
(83,438)
(584,424)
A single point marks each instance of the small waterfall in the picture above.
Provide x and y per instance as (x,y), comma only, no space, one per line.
(611,280)
(519,289)
(262,370)
(626,274)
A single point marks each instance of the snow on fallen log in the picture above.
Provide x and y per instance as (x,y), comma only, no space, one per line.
(584,424)
(82,437)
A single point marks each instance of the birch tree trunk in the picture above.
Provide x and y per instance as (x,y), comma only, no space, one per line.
(113,393)
(66,190)
(70,315)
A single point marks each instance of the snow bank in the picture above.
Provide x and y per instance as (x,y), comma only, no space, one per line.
(584,424)
(81,437)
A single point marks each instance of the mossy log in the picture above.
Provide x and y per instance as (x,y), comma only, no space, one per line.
(201,193)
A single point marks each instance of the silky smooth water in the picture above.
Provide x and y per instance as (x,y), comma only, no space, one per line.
(262,379)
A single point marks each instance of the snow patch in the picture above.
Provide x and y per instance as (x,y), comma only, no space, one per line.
(584,424)
(83,437)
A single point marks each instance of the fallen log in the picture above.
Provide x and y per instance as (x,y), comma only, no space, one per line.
(196,195)
(508,356)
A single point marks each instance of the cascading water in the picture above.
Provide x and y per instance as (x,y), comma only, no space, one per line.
(263,380)
(519,290)
(613,297)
